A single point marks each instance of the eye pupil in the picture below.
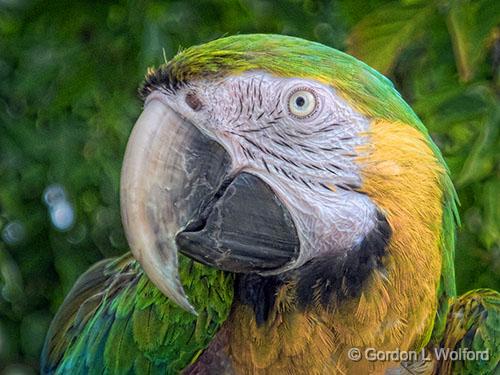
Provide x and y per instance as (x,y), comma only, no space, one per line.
(300,101)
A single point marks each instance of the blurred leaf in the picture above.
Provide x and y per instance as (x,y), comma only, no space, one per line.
(451,106)
(479,162)
(11,283)
(470,23)
(382,35)
(33,329)
(492,214)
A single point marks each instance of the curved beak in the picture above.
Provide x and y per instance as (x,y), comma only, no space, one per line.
(177,190)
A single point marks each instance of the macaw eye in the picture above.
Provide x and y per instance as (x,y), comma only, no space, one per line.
(302,103)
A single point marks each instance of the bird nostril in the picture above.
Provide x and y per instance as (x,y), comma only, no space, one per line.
(193,101)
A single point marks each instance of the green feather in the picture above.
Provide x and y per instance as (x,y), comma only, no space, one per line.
(131,327)
(473,324)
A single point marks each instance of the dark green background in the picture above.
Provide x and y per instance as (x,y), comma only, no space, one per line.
(69,73)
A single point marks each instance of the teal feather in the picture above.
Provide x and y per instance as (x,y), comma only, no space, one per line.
(115,320)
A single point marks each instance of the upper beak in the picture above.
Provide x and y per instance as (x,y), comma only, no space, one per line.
(178,190)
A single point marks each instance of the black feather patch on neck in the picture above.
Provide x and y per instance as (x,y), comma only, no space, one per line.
(333,278)
(329,279)
(258,292)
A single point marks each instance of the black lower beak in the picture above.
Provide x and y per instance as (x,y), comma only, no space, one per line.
(245,228)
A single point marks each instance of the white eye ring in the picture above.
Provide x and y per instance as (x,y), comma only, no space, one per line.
(302,103)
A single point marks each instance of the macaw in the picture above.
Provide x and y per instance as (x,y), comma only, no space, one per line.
(284,206)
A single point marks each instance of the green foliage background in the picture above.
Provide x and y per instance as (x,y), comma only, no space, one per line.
(69,72)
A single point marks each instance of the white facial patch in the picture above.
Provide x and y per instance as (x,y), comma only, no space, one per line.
(306,154)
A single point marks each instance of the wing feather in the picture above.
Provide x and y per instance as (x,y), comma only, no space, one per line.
(115,321)
(473,325)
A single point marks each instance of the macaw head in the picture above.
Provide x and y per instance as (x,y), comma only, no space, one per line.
(272,155)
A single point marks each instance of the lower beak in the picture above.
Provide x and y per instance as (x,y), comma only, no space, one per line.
(178,191)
